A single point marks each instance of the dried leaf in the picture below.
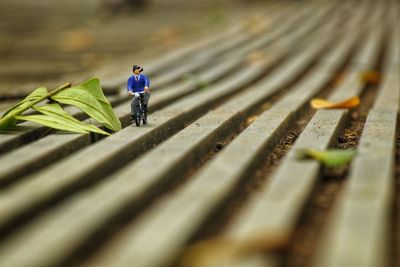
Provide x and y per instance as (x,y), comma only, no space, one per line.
(213,252)
(222,251)
(256,57)
(91,59)
(168,36)
(319,103)
(338,79)
(76,40)
(251,119)
(372,77)
(330,158)
(255,24)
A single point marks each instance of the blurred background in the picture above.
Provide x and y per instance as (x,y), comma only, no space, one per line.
(49,42)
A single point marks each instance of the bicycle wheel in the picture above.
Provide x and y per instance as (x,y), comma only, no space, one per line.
(138,114)
(137,121)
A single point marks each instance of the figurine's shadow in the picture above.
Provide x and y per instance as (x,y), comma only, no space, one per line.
(148,125)
(17,130)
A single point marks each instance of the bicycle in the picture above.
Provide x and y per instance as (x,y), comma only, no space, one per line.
(141,114)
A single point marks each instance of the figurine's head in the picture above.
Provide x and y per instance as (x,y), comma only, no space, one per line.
(137,69)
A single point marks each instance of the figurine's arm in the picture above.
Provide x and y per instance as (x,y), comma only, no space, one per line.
(129,87)
(146,84)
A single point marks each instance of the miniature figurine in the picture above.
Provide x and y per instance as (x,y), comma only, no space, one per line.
(138,87)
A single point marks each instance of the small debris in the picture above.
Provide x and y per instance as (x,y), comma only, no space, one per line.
(219,146)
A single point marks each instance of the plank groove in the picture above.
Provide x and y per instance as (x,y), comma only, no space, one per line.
(145,196)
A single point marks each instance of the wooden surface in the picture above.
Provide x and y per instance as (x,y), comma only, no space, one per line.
(218,160)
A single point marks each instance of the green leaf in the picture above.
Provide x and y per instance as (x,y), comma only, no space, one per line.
(330,158)
(90,99)
(7,122)
(8,119)
(55,117)
(93,86)
(36,94)
(202,84)
(87,96)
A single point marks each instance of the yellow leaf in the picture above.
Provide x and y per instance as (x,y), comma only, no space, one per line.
(255,24)
(256,57)
(319,103)
(370,77)
(168,36)
(338,79)
(223,251)
(76,40)
(251,119)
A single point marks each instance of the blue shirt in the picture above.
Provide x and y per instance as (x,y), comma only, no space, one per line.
(138,86)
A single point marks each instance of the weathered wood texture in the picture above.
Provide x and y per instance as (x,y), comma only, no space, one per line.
(143,196)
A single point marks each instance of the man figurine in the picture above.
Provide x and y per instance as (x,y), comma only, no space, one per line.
(138,84)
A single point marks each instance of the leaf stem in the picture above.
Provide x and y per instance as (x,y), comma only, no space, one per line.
(49,94)
(9,119)
(55,91)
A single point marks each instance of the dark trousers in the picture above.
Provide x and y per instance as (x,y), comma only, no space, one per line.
(134,102)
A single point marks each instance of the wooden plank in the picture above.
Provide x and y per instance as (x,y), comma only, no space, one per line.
(290,27)
(180,54)
(211,57)
(287,192)
(311,54)
(175,229)
(29,159)
(28,131)
(50,148)
(53,147)
(389,98)
(244,42)
(12,140)
(280,48)
(206,57)
(112,152)
(194,202)
(358,233)
(284,196)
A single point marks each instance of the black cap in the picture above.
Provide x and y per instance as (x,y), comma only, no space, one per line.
(135,67)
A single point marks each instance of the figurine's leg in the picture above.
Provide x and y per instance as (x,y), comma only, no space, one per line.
(133,106)
(146,100)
